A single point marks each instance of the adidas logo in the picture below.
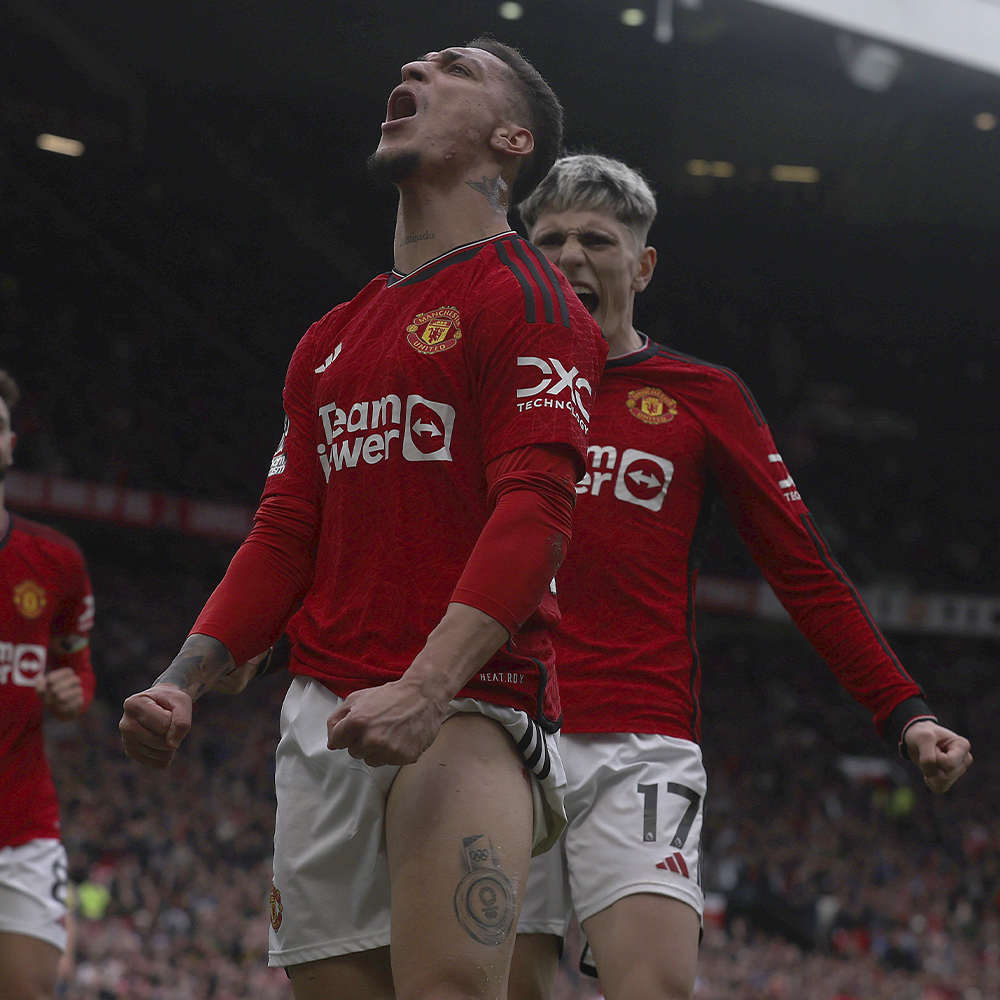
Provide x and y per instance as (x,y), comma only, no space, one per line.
(675,864)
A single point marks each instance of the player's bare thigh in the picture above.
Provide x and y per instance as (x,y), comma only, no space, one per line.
(458,838)
(28,967)
(645,947)
(362,976)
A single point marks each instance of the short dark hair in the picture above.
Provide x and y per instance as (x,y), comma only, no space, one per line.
(545,116)
(9,391)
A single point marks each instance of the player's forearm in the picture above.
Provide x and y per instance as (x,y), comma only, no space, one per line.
(201,661)
(73,651)
(457,649)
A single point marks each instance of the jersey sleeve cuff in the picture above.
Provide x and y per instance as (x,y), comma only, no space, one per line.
(903,716)
(488,606)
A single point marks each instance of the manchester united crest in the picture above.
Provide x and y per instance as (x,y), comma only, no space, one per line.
(30,599)
(435,331)
(651,406)
(275,906)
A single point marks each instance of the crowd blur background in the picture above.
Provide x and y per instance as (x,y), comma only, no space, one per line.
(182,191)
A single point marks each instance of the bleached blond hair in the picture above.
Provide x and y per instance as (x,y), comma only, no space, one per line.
(583,181)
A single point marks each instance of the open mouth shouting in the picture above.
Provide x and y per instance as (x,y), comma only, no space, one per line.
(588,297)
(402,105)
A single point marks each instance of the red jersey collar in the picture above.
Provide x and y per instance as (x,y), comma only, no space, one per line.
(647,350)
(453,256)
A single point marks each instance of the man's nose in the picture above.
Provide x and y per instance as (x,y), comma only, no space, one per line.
(571,252)
(416,70)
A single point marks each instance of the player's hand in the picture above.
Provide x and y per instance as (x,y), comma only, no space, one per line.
(154,723)
(942,756)
(236,680)
(61,692)
(391,724)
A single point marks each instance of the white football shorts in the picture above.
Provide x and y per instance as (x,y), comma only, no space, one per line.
(330,893)
(33,886)
(634,810)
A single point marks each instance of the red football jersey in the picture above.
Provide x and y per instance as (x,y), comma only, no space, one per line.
(395,402)
(665,428)
(44,593)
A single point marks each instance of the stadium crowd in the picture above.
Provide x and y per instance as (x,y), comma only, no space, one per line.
(831,873)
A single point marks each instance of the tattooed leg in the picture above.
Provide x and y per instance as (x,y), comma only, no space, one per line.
(484,899)
(458,837)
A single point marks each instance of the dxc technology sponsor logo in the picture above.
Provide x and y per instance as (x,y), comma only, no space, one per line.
(558,388)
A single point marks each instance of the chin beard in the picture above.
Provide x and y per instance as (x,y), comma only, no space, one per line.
(393,166)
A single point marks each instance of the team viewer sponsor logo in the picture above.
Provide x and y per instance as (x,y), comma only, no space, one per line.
(558,387)
(21,663)
(651,406)
(639,478)
(435,331)
(366,433)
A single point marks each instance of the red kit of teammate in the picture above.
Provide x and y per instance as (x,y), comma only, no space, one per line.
(44,593)
(46,613)
(671,433)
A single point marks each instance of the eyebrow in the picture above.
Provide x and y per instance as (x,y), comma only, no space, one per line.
(448,56)
(552,230)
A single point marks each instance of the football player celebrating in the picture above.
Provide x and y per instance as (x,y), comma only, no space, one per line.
(667,432)
(415,512)
(46,612)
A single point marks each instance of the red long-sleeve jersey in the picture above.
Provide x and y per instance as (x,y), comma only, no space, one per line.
(45,595)
(396,404)
(667,431)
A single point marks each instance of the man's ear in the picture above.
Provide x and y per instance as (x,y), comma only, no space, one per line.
(647,262)
(514,140)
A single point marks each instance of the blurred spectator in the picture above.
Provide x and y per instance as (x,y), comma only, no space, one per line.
(826,884)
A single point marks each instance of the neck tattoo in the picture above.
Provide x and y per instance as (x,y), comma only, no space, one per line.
(492,190)
(417,237)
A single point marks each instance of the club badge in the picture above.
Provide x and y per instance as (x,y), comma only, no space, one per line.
(30,599)
(275,906)
(651,406)
(435,331)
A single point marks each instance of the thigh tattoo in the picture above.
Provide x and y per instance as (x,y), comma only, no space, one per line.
(484,898)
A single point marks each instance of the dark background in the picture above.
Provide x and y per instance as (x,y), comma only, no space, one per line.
(152,289)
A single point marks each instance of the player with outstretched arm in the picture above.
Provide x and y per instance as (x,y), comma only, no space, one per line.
(669,434)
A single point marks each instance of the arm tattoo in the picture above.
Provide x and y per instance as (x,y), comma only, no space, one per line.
(485,901)
(201,661)
(494,190)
